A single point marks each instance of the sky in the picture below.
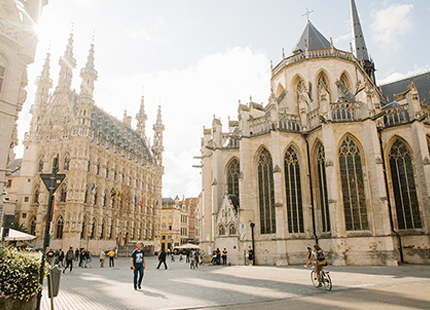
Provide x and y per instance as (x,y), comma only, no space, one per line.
(198,58)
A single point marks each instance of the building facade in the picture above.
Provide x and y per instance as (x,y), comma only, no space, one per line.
(18,42)
(112,190)
(171,223)
(329,160)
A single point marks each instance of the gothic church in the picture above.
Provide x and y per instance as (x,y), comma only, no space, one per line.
(330,159)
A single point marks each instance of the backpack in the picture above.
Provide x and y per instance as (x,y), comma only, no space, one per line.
(320,255)
(70,255)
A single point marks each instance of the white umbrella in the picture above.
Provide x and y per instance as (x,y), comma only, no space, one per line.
(15,235)
(188,246)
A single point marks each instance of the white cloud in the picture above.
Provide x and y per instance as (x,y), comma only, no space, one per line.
(394,76)
(391,23)
(86,3)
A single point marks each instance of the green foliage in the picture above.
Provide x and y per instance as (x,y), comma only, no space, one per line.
(19,227)
(19,274)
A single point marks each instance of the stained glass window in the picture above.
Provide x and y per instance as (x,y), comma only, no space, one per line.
(322,186)
(405,193)
(233,178)
(293,192)
(221,230)
(232,229)
(353,195)
(266,193)
(60,224)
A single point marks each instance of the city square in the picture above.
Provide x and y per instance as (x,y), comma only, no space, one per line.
(241,287)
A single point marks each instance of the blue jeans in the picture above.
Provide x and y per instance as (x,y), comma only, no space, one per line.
(136,272)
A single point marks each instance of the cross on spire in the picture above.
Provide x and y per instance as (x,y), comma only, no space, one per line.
(308,13)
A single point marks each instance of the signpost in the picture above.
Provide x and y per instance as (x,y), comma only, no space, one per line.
(52,181)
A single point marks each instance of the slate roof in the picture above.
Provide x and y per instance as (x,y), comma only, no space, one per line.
(314,39)
(17,163)
(422,82)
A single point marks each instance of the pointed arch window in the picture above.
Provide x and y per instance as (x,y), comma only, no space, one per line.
(353,195)
(405,193)
(83,230)
(293,189)
(60,225)
(221,230)
(232,230)
(67,162)
(102,233)
(233,173)
(36,194)
(40,164)
(344,80)
(322,187)
(63,193)
(266,193)
(33,226)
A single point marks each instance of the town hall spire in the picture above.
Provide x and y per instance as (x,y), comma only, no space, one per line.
(158,147)
(88,75)
(43,83)
(141,118)
(67,64)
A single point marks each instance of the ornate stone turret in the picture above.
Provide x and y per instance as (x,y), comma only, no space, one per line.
(88,75)
(141,118)
(158,147)
(44,84)
(359,43)
(67,64)
(85,102)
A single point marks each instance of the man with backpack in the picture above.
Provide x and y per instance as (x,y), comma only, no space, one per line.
(320,256)
(69,259)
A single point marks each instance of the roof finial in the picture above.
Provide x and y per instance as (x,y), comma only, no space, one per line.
(283,53)
(307,14)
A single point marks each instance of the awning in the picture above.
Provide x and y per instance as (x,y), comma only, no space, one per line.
(188,246)
(15,235)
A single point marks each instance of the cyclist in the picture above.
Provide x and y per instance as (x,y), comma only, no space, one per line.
(320,256)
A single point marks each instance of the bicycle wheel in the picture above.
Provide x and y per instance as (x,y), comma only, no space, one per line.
(327,282)
(314,278)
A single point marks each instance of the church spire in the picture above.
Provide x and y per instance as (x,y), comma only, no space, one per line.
(43,83)
(359,43)
(67,64)
(158,147)
(88,75)
(141,118)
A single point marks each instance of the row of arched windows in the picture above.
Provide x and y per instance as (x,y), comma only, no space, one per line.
(231,230)
(352,182)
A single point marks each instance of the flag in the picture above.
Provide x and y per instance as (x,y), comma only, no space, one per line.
(140,202)
(119,194)
(94,186)
(112,193)
(134,198)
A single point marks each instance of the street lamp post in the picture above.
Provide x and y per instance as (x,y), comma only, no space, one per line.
(52,181)
(253,243)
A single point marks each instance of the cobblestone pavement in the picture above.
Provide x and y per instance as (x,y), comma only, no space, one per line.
(237,287)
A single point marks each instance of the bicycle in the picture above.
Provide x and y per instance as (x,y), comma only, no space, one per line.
(325,279)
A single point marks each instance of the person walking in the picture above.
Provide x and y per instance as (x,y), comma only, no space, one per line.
(162,259)
(69,259)
(319,253)
(196,257)
(218,256)
(192,260)
(250,256)
(89,258)
(50,256)
(224,257)
(76,254)
(111,255)
(61,258)
(138,265)
(102,259)
(81,258)
(309,258)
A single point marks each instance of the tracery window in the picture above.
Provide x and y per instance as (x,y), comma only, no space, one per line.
(221,230)
(322,186)
(353,195)
(232,230)
(67,162)
(40,164)
(266,193)
(36,194)
(344,80)
(83,229)
(63,193)
(60,224)
(293,190)
(405,193)
(233,173)
(33,226)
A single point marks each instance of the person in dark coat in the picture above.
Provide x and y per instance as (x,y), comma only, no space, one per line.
(162,259)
